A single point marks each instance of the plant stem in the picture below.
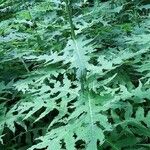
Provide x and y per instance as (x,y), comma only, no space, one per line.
(77,50)
(24,64)
(69,11)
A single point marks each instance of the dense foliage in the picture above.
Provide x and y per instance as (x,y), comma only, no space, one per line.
(74,75)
